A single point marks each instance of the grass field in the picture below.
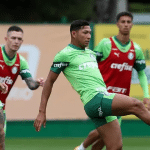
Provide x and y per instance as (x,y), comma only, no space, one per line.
(68,143)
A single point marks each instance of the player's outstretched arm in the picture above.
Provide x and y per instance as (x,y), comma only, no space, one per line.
(34,84)
(3,88)
(144,85)
(48,85)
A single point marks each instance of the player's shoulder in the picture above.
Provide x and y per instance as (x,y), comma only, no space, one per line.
(90,51)
(64,51)
(137,47)
(138,51)
(22,58)
(105,41)
(67,49)
(63,54)
(87,49)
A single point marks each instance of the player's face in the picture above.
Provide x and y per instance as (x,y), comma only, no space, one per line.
(14,40)
(125,24)
(83,36)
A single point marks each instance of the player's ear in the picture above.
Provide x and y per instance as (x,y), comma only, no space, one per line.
(73,33)
(5,38)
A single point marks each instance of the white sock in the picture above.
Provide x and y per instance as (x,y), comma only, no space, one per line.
(81,147)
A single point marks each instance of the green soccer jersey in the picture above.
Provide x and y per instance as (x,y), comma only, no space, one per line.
(80,68)
(24,68)
(103,50)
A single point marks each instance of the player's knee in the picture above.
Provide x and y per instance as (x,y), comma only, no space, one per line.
(2,135)
(117,146)
(137,106)
(2,131)
(94,134)
(98,145)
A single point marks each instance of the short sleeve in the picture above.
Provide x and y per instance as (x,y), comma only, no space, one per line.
(103,49)
(24,68)
(59,63)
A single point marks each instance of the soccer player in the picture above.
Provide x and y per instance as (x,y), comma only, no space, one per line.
(80,67)
(13,64)
(117,56)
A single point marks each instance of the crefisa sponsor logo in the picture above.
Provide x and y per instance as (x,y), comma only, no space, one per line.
(121,67)
(6,80)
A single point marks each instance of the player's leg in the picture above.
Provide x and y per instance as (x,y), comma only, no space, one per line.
(97,109)
(99,143)
(125,105)
(2,134)
(105,104)
(92,137)
(111,135)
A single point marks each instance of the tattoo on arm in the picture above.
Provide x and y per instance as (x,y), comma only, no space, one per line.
(32,84)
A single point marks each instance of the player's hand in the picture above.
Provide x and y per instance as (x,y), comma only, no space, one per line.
(39,121)
(146,102)
(41,81)
(3,88)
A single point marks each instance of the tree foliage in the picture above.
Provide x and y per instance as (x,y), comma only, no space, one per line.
(31,11)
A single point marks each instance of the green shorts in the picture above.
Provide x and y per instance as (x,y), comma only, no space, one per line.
(99,109)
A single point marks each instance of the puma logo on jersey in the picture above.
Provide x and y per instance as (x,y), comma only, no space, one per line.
(117,54)
(16,64)
(2,66)
(121,67)
(132,50)
(114,49)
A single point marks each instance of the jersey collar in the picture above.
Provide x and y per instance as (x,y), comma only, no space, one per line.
(75,47)
(3,48)
(123,45)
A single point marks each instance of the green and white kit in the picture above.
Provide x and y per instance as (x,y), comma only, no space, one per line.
(81,69)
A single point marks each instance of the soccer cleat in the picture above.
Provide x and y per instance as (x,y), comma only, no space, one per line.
(76,148)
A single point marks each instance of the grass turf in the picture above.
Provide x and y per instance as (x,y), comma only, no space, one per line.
(68,143)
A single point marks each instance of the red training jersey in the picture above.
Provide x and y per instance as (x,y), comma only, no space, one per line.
(8,75)
(116,69)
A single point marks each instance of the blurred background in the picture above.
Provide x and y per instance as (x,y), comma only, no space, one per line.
(46,26)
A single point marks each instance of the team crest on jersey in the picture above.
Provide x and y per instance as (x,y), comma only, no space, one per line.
(92,56)
(14,70)
(130,56)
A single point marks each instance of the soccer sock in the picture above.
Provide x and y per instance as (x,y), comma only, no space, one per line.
(81,147)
